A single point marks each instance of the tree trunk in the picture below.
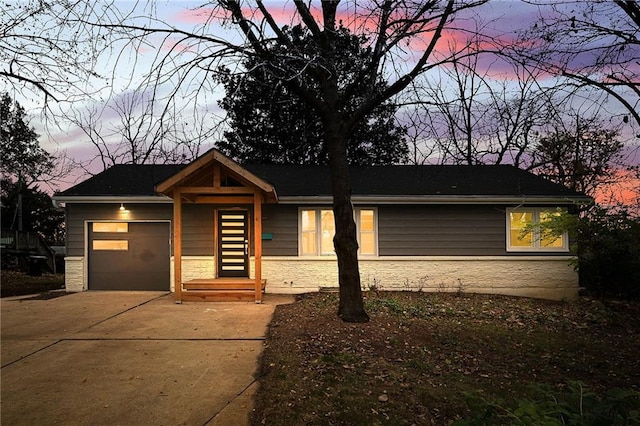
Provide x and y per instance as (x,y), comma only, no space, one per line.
(351,306)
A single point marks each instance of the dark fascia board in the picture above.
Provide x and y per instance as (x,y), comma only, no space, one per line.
(443,199)
(111,199)
(360,200)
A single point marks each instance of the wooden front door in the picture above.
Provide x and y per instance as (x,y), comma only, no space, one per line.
(233,243)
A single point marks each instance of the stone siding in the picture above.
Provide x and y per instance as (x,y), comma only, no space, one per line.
(542,277)
(74,274)
(549,277)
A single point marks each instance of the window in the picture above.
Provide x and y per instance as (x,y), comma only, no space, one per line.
(526,230)
(317,229)
(110,227)
(308,233)
(114,245)
(366,232)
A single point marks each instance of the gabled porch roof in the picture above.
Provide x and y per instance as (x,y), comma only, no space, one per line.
(194,178)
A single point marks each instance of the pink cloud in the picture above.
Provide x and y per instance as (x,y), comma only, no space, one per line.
(283,15)
(498,20)
(625,189)
(177,47)
(200,16)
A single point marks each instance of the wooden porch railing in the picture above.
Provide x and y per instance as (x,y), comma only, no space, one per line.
(22,243)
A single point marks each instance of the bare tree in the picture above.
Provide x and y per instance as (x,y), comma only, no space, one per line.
(522,124)
(44,49)
(387,27)
(140,134)
(471,116)
(592,45)
(580,153)
(454,110)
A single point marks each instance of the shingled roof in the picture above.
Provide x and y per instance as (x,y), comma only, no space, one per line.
(306,181)
(125,180)
(501,180)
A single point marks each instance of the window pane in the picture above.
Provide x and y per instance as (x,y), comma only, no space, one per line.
(111,245)
(233,231)
(548,240)
(308,220)
(518,222)
(308,232)
(110,227)
(367,243)
(366,220)
(367,236)
(548,237)
(233,216)
(309,243)
(328,231)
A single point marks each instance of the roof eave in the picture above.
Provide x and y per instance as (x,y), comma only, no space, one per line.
(356,199)
(109,199)
(440,199)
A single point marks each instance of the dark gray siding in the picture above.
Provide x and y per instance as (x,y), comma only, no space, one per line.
(281,221)
(197,229)
(404,230)
(77,214)
(441,231)
(407,230)
(197,223)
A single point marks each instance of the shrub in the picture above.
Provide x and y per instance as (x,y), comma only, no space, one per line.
(609,253)
(574,405)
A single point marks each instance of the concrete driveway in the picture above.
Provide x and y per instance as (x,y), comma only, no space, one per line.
(130,358)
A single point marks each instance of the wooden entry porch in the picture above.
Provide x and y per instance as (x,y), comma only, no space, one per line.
(221,289)
(216,179)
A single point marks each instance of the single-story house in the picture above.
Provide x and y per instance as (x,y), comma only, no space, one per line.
(215,229)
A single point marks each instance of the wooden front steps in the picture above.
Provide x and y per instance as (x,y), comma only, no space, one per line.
(220,290)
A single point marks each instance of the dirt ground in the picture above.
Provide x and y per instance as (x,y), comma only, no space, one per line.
(422,355)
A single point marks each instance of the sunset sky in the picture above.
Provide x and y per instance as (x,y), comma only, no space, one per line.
(499,19)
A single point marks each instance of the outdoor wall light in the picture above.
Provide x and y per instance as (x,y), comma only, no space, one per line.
(122,207)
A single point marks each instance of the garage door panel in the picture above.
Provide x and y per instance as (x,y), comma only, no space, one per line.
(134,260)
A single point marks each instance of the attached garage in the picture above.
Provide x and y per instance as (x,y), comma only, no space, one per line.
(129,256)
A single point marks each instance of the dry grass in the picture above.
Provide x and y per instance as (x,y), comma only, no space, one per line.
(421,354)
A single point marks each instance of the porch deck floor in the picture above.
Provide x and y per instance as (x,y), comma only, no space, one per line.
(222,284)
(221,290)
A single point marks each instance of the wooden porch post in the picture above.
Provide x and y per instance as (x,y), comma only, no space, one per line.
(177,244)
(257,218)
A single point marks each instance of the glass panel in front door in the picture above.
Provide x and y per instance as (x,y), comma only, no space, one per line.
(233,244)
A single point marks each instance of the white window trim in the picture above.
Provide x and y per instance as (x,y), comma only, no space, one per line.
(375,231)
(535,213)
(356,211)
